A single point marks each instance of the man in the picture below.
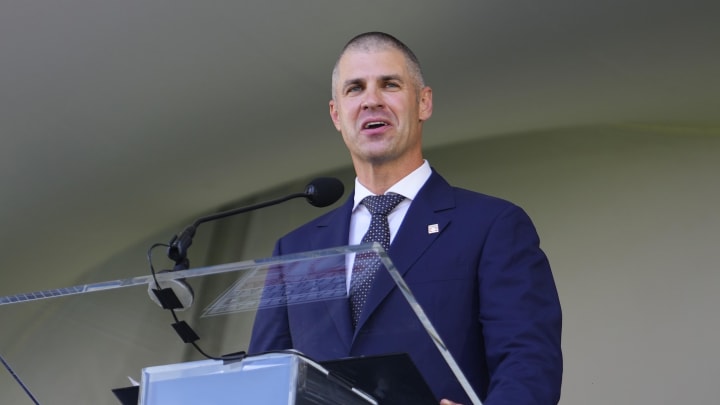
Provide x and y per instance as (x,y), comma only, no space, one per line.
(478,272)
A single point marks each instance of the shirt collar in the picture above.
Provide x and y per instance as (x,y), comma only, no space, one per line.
(408,186)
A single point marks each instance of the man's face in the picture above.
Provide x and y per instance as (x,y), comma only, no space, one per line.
(378,108)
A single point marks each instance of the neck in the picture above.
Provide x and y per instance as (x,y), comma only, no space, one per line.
(378,178)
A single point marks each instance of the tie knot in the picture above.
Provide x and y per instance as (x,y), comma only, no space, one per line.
(382,204)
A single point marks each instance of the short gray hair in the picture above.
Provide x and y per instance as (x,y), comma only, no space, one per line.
(376,40)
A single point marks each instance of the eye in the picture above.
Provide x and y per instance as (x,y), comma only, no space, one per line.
(353,89)
(392,85)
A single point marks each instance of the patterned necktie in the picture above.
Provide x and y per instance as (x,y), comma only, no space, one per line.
(367,263)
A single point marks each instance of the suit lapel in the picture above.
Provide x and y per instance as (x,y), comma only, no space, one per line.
(333,230)
(432,206)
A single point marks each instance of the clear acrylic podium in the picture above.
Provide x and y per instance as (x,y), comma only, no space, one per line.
(277,378)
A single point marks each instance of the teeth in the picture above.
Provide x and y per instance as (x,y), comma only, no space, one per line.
(374,124)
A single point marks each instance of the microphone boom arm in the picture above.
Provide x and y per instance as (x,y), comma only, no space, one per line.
(321,192)
(180,244)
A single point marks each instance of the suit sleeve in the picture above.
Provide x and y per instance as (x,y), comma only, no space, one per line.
(520,315)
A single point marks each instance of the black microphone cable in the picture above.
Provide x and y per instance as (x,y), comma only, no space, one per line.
(186,333)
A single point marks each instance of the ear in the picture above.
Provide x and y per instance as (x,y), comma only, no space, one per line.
(334,115)
(425,103)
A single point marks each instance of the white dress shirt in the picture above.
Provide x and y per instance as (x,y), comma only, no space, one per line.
(408,187)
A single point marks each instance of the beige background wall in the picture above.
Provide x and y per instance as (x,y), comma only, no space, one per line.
(627,214)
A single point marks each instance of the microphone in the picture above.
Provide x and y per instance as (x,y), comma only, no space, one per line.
(177,294)
(320,192)
(324,191)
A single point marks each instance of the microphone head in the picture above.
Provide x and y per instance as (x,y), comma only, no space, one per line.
(324,191)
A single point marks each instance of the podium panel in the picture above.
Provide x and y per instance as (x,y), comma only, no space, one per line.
(270,379)
(116,331)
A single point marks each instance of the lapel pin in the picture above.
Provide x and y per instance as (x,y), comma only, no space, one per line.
(434,228)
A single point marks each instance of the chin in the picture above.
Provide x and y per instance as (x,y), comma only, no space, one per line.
(379,158)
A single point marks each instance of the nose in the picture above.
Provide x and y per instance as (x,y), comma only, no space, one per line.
(372,99)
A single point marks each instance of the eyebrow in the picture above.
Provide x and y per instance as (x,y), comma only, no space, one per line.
(384,78)
(388,78)
(352,82)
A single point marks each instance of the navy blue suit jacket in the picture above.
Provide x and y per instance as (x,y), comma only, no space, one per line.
(482,280)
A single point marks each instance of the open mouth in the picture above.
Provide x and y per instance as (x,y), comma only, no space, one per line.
(375,124)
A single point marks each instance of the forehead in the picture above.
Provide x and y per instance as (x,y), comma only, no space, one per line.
(368,64)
